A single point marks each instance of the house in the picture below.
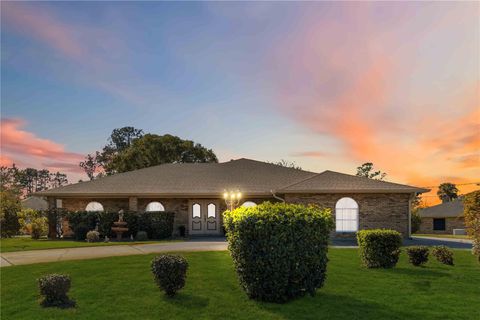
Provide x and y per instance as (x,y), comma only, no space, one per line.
(442,218)
(194,191)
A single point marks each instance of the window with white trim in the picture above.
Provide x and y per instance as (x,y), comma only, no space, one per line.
(154,206)
(346,215)
(248,204)
(94,207)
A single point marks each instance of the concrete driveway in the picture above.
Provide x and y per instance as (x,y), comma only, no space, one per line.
(199,244)
(51,255)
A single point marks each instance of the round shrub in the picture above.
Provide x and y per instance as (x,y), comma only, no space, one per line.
(54,289)
(417,255)
(279,250)
(93,236)
(80,231)
(379,248)
(169,272)
(141,236)
(443,254)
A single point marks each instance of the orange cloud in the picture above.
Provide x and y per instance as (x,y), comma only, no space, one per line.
(25,148)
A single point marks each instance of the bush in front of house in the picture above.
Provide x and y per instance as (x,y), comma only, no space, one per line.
(169,272)
(443,254)
(80,231)
(279,250)
(471,212)
(33,222)
(379,248)
(93,236)
(158,225)
(54,290)
(141,236)
(418,255)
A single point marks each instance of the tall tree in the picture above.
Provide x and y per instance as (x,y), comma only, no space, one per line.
(447,191)
(152,149)
(90,165)
(366,170)
(58,179)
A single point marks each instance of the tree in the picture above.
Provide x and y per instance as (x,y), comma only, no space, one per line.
(58,179)
(287,164)
(90,165)
(152,149)
(366,170)
(447,191)
(9,207)
(122,138)
(471,212)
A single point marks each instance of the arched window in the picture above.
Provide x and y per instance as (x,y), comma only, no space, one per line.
(248,204)
(346,215)
(196,210)
(154,206)
(94,206)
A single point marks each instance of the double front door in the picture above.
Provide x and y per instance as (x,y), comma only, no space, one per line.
(204,217)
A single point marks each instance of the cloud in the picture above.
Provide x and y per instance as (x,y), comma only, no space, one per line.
(25,148)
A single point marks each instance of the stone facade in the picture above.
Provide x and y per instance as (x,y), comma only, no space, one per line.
(390,211)
(376,211)
(426,225)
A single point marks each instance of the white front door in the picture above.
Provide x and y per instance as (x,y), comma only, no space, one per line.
(204,217)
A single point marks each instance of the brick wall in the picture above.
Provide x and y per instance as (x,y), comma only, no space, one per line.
(376,211)
(426,225)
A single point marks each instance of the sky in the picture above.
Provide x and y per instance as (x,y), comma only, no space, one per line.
(328,85)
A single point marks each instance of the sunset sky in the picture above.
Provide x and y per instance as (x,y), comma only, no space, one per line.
(327,85)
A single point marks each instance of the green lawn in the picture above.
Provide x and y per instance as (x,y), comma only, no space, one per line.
(122,287)
(448,236)
(26,243)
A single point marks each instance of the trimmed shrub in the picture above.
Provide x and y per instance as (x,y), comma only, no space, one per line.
(93,236)
(80,231)
(379,248)
(158,225)
(141,236)
(54,289)
(279,250)
(417,255)
(471,212)
(443,254)
(169,272)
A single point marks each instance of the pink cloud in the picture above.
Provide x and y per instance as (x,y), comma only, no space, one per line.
(310,154)
(26,149)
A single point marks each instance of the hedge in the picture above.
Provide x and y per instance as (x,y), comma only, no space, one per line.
(379,248)
(279,250)
(471,212)
(158,225)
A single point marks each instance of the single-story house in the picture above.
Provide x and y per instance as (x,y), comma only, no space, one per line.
(195,192)
(442,218)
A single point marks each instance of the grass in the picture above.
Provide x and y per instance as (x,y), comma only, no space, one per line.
(122,287)
(448,236)
(26,243)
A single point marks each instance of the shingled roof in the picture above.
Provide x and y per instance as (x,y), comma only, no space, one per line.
(252,177)
(451,209)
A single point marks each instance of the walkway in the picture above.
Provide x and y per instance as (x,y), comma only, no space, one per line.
(51,255)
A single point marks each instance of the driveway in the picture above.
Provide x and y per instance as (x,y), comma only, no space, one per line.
(198,244)
(51,255)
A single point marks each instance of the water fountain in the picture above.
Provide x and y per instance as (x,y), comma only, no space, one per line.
(119,227)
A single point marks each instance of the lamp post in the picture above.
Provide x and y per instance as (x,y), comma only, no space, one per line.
(232,198)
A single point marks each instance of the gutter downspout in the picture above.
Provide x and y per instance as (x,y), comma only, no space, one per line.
(410,215)
(277,197)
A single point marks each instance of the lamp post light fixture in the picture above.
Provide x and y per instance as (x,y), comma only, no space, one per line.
(232,198)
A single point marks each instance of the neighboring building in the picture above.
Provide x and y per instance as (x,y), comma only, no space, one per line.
(36,203)
(442,218)
(194,191)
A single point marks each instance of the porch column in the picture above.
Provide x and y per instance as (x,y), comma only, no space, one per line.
(133,204)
